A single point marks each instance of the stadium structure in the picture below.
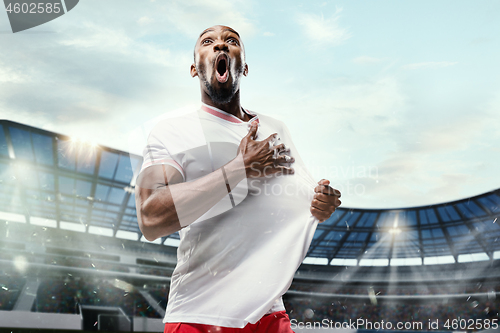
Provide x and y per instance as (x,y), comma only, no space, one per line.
(72,256)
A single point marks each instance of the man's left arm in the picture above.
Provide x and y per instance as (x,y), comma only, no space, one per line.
(326,199)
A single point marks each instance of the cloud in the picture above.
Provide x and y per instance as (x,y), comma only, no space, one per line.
(324,31)
(492,114)
(96,70)
(345,123)
(10,75)
(433,163)
(411,157)
(90,74)
(479,41)
(145,20)
(190,17)
(430,65)
(366,60)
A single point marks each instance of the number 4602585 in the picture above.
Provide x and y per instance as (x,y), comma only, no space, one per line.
(33,8)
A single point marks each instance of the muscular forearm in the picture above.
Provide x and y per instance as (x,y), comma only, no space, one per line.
(169,208)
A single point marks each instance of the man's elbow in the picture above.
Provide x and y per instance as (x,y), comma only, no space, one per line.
(154,227)
(150,237)
(147,226)
(148,231)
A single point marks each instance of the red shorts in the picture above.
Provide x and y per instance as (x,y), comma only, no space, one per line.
(276,322)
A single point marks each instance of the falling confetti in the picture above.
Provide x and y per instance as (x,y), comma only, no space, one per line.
(373,297)
(20,263)
(308,313)
(127,287)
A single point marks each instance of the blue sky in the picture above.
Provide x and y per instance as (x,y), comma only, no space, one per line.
(396,102)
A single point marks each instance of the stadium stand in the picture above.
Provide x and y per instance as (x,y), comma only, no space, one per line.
(10,288)
(62,296)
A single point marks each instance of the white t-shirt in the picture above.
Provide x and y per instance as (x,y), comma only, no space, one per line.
(236,261)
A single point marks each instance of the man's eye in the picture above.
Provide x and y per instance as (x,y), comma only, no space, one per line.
(232,41)
(206,41)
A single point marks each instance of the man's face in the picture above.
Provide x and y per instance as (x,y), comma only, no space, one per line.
(219,63)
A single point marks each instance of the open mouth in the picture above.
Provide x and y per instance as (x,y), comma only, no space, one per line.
(222,68)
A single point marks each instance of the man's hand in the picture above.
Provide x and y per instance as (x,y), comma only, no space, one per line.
(325,201)
(260,158)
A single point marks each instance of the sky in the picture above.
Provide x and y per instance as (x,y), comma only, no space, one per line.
(397,103)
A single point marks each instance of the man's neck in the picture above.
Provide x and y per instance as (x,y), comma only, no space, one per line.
(233,107)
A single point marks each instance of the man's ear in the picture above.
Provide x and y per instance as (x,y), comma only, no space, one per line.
(194,72)
(245,71)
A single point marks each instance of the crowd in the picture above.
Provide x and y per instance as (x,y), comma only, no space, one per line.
(62,296)
(86,263)
(408,290)
(343,310)
(10,288)
(160,295)
(155,271)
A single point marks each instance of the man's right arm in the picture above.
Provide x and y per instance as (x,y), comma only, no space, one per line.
(165,204)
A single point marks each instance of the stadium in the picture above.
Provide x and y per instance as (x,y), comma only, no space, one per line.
(72,256)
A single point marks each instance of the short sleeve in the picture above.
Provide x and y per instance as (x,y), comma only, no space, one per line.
(156,151)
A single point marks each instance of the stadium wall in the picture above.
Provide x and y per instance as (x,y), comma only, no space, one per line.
(39,320)
(24,319)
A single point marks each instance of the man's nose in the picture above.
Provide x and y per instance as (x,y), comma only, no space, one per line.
(221,46)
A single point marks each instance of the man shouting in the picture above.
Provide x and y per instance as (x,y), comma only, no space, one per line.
(233,185)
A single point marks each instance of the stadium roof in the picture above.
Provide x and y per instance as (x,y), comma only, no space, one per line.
(462,230)
(57,181)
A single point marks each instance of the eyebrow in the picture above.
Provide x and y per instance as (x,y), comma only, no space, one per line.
(231,30)
(226,29)
(204,32)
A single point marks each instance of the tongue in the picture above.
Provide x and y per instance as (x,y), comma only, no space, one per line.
(221,72)
(221,78)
